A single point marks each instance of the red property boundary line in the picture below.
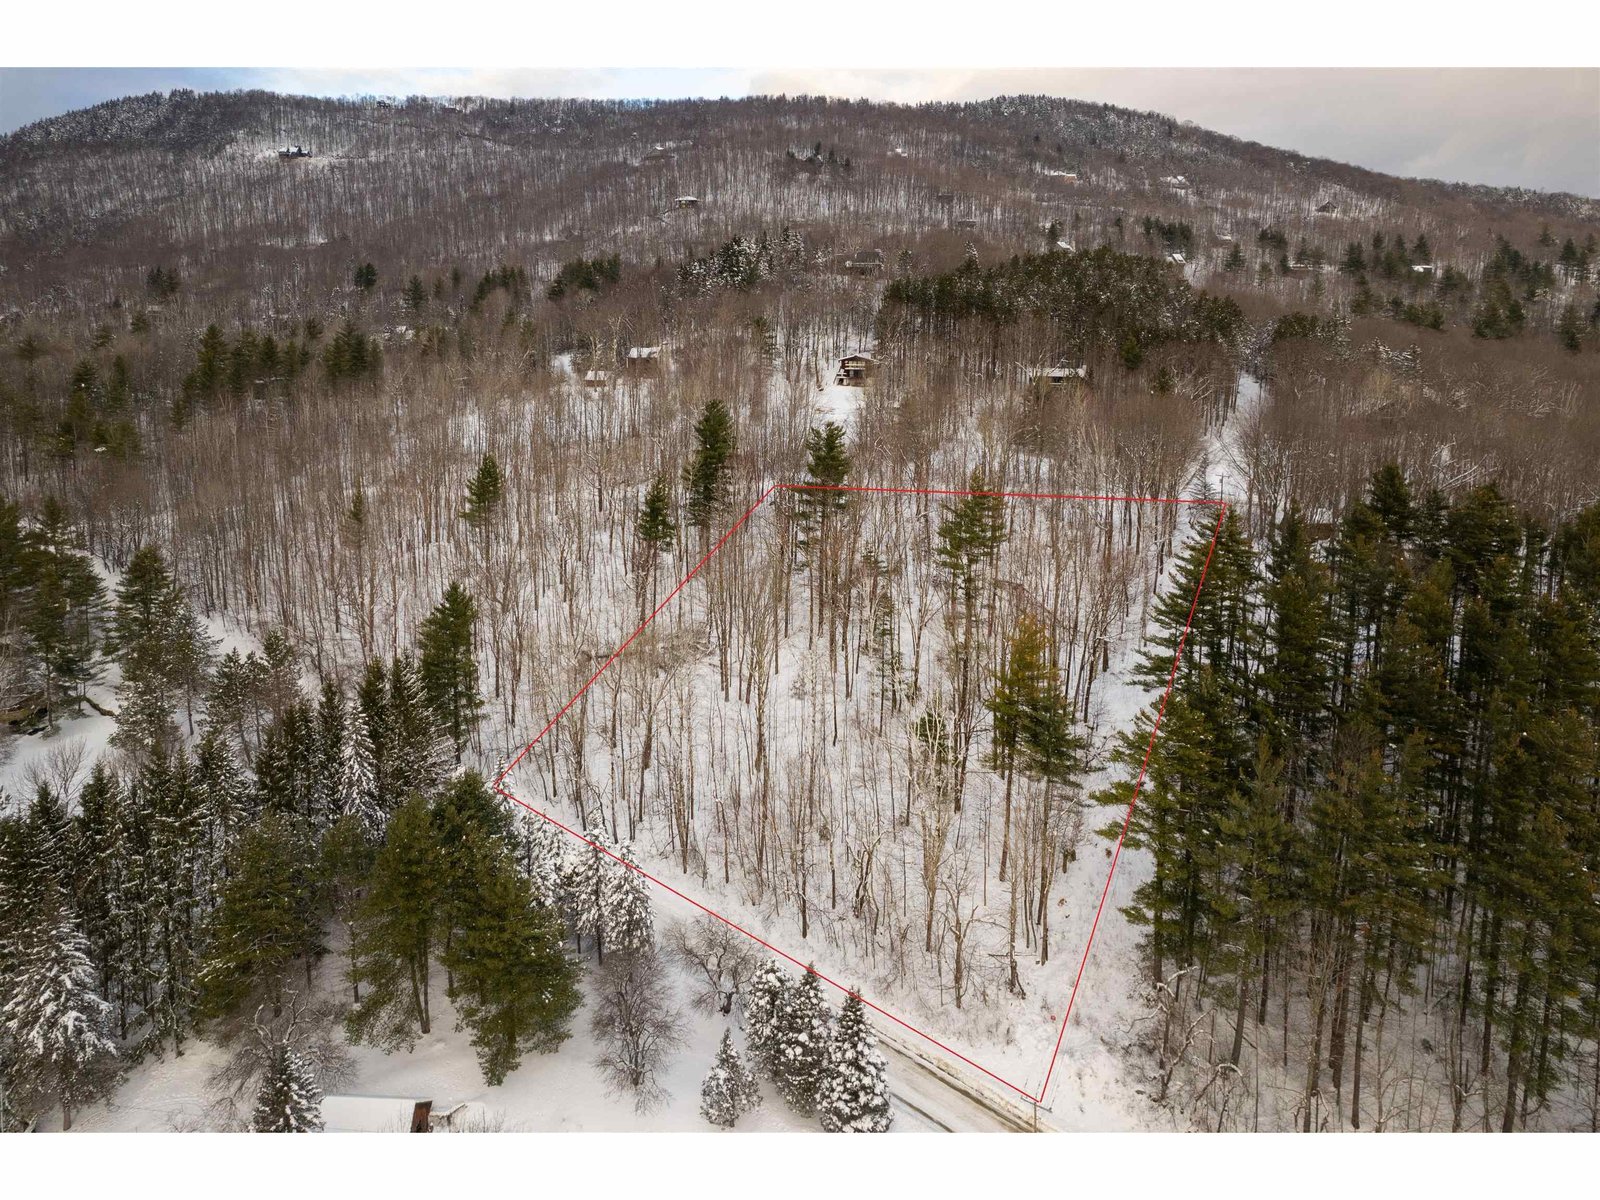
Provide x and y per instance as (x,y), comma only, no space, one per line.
(1033,1097)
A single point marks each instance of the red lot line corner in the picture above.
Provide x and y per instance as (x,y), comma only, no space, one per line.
(1032,1097)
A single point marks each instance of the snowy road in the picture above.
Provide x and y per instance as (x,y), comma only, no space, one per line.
(928,1099)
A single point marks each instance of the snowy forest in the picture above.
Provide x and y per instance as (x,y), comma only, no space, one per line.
(789,614)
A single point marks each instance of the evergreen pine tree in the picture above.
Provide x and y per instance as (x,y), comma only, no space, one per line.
(514,986)
(416,294)
(448,668)
(398,930)
(585,884)
(356,794)
(331,732)
(415,752)
(224,797)
(654,526)
(628,923)
(266,921)
(54,1026)
(801,1044)
(730,1088)
(97,850)
(765,999)
(289,1100)
(705,476)
(485,491)
(854,1096)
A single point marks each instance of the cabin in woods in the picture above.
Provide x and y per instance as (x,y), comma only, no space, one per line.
(966,222)
(865,262)
(1328,208)
(643,360)
(287,152)
(659,154)
(596,379)
(1062,375)
(687,202)
(855,369)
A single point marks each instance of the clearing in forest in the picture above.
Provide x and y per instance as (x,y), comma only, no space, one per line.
(866,731)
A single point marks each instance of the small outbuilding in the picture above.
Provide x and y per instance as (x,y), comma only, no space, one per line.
(596,379)
(376,1114)
(287,152)
(687,202)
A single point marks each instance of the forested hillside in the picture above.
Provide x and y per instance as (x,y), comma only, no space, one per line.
(343,442)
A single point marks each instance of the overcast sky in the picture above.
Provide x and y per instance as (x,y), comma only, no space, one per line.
(1537,127)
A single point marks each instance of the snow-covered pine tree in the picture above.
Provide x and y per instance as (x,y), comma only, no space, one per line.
(97,847)
(55,1025)
(730,1089)
(327,767)
(357,794)
(764,1001)
(584,876)
(290,1100)
(854,1097)
(541,847)
(175,876)
(418,756)
(801,1044)
(225,796)
(628,925)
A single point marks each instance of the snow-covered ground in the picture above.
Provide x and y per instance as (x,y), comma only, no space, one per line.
(557,1092)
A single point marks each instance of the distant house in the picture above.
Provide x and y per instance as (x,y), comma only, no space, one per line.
(643,360)
(1176,258)
(596,379)
(659,154)
(865,262)
(898,152)
(1422,268)
(855,369)
(1059,375)
(1328,208)
(966,222)
(946,198)
(1176,182)
(687,202)
(293,152)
